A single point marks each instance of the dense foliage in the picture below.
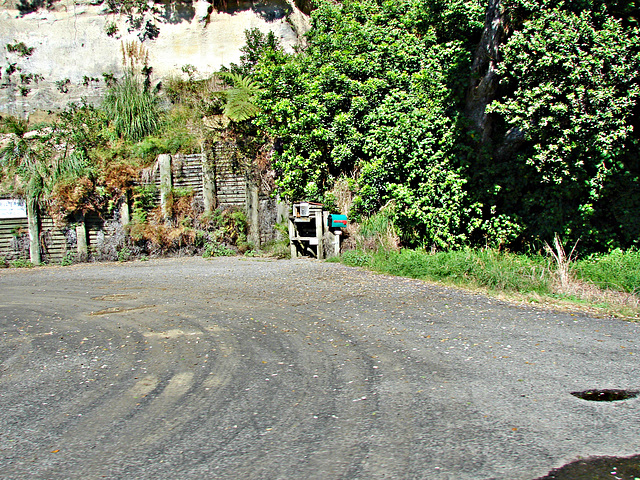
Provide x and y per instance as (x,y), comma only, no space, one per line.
(571,83)
(379,96)
(379,100)
(375,96)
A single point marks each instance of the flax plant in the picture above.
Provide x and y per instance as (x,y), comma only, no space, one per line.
(130,104)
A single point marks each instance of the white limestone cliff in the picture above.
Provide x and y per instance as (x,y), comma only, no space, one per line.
(70,42)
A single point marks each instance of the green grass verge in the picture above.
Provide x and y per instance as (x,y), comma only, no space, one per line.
(479,268)
(521,276)
(617,270)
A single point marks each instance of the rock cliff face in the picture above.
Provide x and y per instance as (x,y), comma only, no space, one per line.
(61,51)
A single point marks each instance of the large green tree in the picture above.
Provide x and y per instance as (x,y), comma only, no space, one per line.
(376,95)
(570,88)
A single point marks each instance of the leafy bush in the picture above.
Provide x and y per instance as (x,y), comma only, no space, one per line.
(217,250)
(124,254)
(374,96)
(172,136)
(111,28)
(572,114)
(143,202)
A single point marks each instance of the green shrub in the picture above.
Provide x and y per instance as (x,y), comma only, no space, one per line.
(143,202)
(216,250)
(172,137)
(356,258)
(68,259)
(124,254)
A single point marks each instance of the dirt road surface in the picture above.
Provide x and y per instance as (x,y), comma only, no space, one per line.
(237,368)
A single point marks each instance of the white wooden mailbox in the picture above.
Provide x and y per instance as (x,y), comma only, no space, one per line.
(306,228)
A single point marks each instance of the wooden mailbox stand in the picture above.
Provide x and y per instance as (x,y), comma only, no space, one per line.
(306,228)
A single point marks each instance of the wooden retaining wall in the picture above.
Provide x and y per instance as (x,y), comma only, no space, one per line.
(13,234)
(230,180)
(187,173)
(232,189)
(53,240)
(56,240)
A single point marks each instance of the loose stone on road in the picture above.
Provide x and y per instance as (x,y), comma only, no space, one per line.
(262,369)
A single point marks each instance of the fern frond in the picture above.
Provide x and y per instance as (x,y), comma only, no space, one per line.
(240,98)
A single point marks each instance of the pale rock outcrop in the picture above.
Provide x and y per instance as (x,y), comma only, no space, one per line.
(70,43)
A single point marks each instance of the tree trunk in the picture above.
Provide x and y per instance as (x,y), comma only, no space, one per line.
(484,77)
(34,231)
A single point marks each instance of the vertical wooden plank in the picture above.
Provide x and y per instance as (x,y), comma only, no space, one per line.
(208,184)
(292,235)
(125,211)
(35,254)
(252,207)
(166,183)
(318,219)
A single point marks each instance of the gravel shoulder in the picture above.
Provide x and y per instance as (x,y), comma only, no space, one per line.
(272,369)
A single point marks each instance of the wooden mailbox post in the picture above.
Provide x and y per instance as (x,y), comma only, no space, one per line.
(309,224)
(306,228)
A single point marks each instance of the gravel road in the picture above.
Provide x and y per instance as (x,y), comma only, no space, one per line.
(236,368)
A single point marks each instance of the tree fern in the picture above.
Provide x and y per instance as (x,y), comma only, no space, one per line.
(240,98)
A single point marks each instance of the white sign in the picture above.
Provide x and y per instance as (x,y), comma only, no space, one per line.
(13,208)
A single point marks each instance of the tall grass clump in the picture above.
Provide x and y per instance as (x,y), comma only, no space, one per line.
(376,232)
(132,108)
(130,104)
(617,270)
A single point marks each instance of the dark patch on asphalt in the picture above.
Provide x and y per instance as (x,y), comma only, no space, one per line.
(605,395)
(596,468)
